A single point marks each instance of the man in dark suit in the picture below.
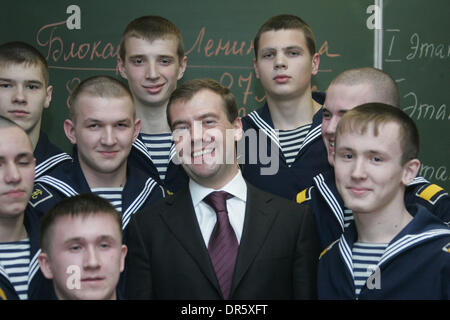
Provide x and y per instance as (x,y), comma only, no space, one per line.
(219,238)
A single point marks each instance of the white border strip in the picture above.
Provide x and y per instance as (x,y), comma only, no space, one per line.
(378,37)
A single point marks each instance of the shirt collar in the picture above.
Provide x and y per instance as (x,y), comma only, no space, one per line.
(237,187)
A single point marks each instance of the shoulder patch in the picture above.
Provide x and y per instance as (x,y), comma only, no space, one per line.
(446,248)
(431,193)
(304,195)
(39,195)
(2,295)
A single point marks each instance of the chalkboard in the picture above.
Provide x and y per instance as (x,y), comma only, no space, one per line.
(218,41)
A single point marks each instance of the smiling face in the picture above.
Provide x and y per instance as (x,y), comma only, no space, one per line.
(339,99)
(104,130)
(368,168)
(24,95)
(16,171)
(284,64)
(205,138)
(85,257)
(152,69)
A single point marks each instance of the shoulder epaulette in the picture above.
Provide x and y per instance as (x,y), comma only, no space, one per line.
(431,193)
(304,195)
(39,195)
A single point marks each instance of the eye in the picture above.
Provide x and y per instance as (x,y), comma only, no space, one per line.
(75,248)
(376,159)
(293,53)
(165,61)
(33,87)
(5,85)
(326,114)
(137,61)
(104,245)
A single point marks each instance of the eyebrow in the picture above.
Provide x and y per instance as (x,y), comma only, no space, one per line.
(101,121)
(26,81)
(20,155)
(102,237)
(201,117)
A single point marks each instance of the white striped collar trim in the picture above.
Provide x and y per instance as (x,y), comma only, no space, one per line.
(58,184)
(265,127)
(34,267)
(330,199)
(50,163)
(418,180)
(138,202)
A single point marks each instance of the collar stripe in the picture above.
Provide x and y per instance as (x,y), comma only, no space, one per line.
(330,199)
(34,267)
(58,184)
(346,254)
(50,163)
(265,127)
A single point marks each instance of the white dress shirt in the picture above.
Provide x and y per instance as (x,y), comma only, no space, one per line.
(206,216)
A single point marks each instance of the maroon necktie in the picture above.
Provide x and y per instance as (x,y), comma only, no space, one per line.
(223,245)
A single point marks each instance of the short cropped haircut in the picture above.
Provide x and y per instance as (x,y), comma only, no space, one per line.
(98,86)
(287,22)
(151,28)
(22,53)
(359,118)
(83,205)
(187,90)
(385,87)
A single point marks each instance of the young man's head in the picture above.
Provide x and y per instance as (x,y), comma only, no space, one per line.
(82,251)
(352,88)
(285,57)
(152,59)
(377,146)
(16,169)
(103,124)
(203,117)
(24,86)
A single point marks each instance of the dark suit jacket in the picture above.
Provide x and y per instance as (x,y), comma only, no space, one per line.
(277,259)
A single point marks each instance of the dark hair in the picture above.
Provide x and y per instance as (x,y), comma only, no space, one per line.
(151,28)
(288,22)
(98,86)
(359,118)
(82,205)
(22,53)
(187,90)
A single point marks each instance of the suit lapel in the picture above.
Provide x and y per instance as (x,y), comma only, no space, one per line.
(182,222)
(259,217)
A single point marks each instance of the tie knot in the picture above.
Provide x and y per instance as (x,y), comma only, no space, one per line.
(218,200)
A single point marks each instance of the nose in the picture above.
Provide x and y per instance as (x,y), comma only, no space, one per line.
(359,170)
(12,174)
(331,126)
(152,72)
(91,258)
(108,136)
(280,62)
(19,95)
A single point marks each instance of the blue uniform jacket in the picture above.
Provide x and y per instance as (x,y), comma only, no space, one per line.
(176,178)
(47,155)
(415,265)
(38,286)
(287,181)
(328,206)
(68,180)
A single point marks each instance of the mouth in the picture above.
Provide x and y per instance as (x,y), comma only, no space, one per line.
(108,154)
(154,89)
(92,280)
(358,191)
(16,193)
(281,79)
(19,113)
(201,153)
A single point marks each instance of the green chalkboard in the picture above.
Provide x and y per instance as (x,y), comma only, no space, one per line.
(218,42)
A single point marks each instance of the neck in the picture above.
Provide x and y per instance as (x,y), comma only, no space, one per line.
(290,114)
(34,135)
(12,229)
(381,227)
(153,118)
(114,179)
(217,184)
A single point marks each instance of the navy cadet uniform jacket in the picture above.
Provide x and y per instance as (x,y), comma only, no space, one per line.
(47,155)
(38,286)
(328,206)
(68,180)
(176,178)
(415,265)
(287,181)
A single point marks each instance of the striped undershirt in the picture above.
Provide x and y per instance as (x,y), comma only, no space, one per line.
(365,257)
(15,261)
(159,145)
(291,141)
(348,217)
(113,195)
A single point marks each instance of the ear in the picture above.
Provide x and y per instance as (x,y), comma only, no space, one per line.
(182,69)
(315,64)
(121,66)
(137,129)
(44,263)
(255,67)
(238,130)
(410,170)
(69,129)
(48,97)
(123,254)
